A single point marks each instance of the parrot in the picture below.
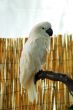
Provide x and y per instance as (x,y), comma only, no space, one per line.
(33,56)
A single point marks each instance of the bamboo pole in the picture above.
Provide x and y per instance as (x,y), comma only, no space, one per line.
(65,59)
(54,68)
(9,74)
(71,64)
(60,85)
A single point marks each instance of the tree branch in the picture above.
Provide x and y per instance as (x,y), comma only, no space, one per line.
(55,77)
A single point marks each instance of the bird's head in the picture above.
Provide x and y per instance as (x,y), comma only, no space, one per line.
(43,28)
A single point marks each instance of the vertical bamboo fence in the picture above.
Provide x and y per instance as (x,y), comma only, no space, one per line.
(51,94)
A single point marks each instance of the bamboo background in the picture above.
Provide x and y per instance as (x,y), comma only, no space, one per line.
(51,94)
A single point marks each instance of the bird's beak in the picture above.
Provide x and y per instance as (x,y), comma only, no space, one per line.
(49,32)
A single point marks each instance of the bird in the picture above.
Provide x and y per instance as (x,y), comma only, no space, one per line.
(33,56)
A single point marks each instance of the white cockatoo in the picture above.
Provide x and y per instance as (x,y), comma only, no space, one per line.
(33,56)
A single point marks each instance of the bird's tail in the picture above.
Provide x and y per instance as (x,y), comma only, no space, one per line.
(32,94)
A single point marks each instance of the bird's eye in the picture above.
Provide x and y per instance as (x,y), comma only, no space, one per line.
(43,28)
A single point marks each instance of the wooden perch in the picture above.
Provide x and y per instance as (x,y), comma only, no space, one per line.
(55,77)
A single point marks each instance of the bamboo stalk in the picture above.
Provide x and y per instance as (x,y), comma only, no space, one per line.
(71,64)
(65,57)
(54,67)
(60,69)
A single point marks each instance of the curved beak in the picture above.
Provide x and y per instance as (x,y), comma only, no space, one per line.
(49,32)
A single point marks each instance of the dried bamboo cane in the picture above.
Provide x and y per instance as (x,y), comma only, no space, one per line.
(3,74)
(54,68)
(60,69)
(50,67)
(66,93)
(71,64)
(16,84)
(9,74)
